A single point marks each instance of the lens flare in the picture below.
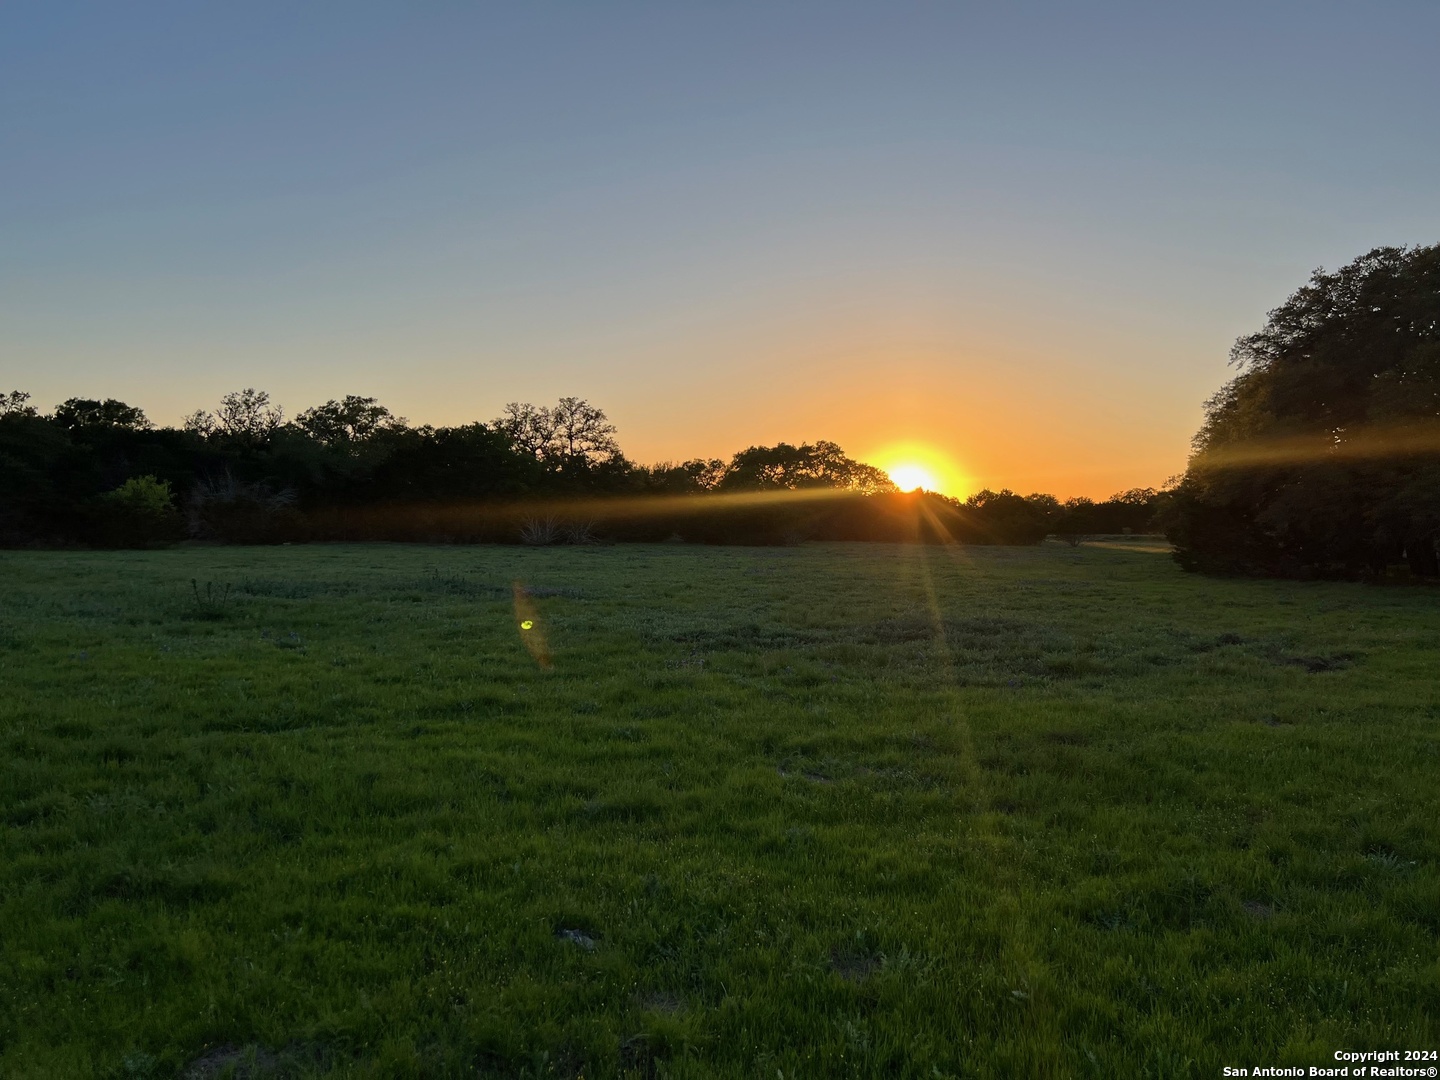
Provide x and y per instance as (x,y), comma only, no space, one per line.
(527,617)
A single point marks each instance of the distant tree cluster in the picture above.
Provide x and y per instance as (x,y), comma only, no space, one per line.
(810,465)
(1321,458)
(1133,511)
(99,472)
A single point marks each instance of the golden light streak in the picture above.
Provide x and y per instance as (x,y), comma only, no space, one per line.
(979,821)
(623,508)
(640,506)
(1352,445)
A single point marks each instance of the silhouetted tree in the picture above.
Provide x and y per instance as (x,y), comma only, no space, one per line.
(581,433)
(470,462)
(810,465)
(76,413)
(1076,521)
(245,416)
(348,422)
(571,435)
(1132,511)
(16,403)
(1322,456)
(35,505)
(528,426)
(685,478)
(1002,517)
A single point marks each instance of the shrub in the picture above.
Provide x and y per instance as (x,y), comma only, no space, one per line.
(237,512)
(139,513)
(540,532)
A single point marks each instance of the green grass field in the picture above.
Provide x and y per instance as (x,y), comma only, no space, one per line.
(835,810)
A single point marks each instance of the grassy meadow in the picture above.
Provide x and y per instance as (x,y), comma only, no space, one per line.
(832,810)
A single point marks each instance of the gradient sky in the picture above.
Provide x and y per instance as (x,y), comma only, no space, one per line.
(1018,238)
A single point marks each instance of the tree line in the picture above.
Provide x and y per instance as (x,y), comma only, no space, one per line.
(1320,458)
(98,472)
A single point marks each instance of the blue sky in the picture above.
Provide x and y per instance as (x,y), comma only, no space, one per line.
(1019,238)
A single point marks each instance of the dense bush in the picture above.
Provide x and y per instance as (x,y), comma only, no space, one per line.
(235,511)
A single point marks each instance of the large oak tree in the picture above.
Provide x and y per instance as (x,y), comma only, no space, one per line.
(1322,456)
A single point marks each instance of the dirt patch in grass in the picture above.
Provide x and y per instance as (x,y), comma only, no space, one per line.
(853,966)
(813,777)
(233,1063)
(576,937)
(661,1001)
(1317,664)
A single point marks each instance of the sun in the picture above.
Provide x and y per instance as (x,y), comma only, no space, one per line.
(910,477)
(917,466)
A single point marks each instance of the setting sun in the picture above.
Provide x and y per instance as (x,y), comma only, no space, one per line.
(909,477)
(913,464)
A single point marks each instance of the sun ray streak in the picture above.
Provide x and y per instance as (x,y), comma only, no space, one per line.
(1027,965)
(1374,443)
(946,662)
